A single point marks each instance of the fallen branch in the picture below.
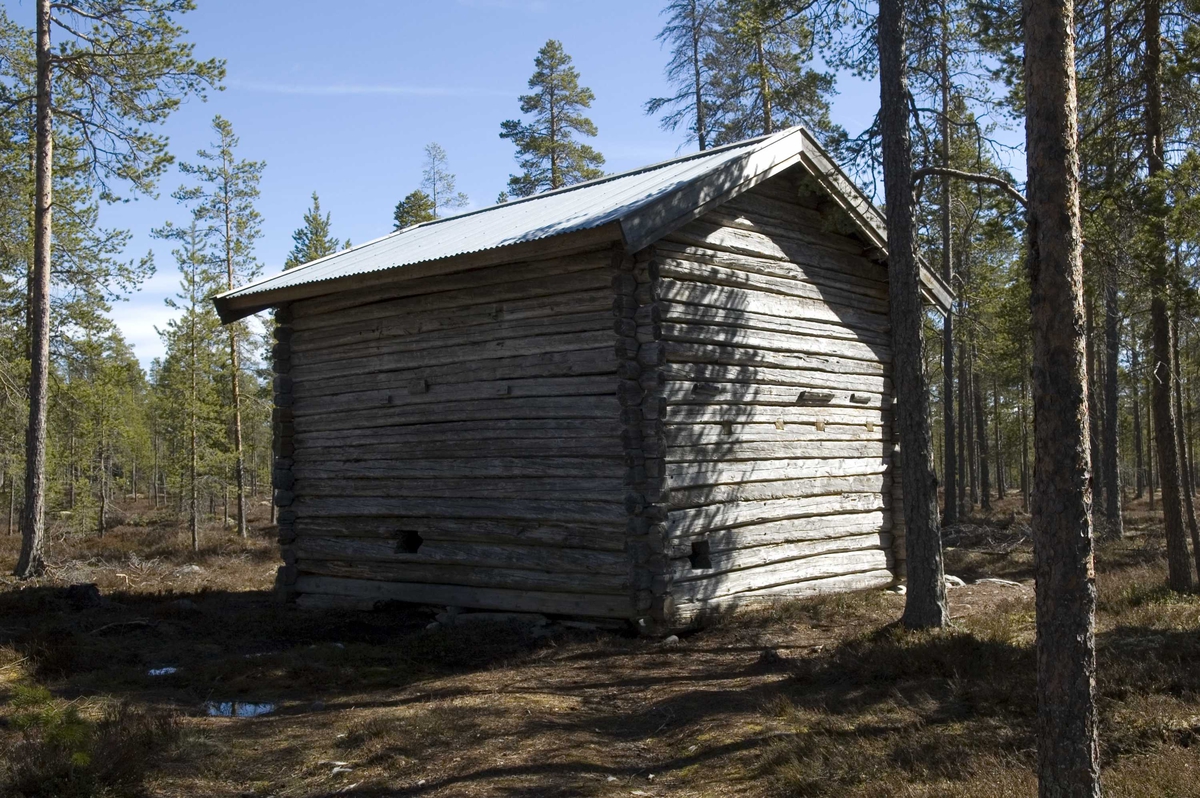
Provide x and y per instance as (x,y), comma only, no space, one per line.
(973,177)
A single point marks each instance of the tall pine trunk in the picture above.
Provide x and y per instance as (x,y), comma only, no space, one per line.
(1163,371)
(1139,467)
(964,410)
(1094,416)
(1024,444)
(1001,488)
(925,604)
(950,474)
(985,482)
(1068,751)
(239,458)
(1185,472)
(1112,346)
(972,439)
(33,515)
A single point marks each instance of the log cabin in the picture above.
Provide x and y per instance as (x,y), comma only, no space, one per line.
(648,397)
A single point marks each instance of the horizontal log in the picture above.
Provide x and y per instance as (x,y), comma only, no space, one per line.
(492,335)
(733,232)
(503,282)
(736,393)
(780,450)
(472,575)
(707,274)
(783,210)
(489,509)
(738,318)
(765,375)
(350,367)
(828,270)
(319,602)
(751,300)
(489,555)
(574,407)
(787,213)
(821,566)
(598,488)
(776,489)
(701,434)
(792,530)
(598,606)
(572,535)
(722,563)
(490,468)
(794,343)
(761,414)
(603,447)
(353,331)
(743,356)
(598,360)
(467,431)
(707,519)
(514,390)
(688,612)
(682,475)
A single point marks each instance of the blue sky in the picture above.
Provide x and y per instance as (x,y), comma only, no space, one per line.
(342,97)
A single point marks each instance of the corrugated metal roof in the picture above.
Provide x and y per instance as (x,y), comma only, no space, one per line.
(647,203)
(578,207)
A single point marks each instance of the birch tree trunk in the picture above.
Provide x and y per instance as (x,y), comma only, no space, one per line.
(1068,751)
(925,604)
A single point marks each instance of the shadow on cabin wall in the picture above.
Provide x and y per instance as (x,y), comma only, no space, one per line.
(777,394)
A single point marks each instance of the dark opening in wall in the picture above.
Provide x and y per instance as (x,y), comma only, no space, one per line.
(410,541)
(699,557)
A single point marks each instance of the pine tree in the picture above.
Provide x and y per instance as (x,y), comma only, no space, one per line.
(691,31)
(438,183)
(547,151)
(925,600)
(416,208)
(224,205)
(186,380)
(119,68)
(1068,751)
(761,78)
(312,241)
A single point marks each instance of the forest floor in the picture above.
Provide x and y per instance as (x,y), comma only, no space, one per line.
(817,697)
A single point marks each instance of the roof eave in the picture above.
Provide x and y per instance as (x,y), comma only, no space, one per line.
(232,306)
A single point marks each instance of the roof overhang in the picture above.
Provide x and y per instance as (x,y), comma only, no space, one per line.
(232,306)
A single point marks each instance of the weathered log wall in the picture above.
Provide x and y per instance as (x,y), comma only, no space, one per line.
(494,439)
(457,440)
(765,345)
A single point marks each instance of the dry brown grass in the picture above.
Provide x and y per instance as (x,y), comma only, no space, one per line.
(823,697)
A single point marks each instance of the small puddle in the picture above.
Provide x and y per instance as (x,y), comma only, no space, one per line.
(237,709)
(162,671)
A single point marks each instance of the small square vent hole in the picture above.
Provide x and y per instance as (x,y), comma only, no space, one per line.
(410,541)
(700,558)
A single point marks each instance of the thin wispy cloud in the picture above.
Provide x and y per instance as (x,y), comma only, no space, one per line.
(357,89)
